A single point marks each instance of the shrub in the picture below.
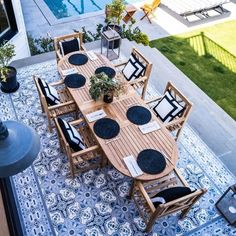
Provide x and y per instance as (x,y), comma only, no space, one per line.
(134,34)
(40,45)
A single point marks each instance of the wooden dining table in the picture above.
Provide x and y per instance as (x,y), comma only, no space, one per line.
(130,140)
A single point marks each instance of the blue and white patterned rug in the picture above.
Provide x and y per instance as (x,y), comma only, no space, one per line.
(95,202)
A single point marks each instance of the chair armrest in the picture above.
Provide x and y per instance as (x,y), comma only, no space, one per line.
(141,79)
(145,195)
(83,47)
(121,64)
(175,122)
(60,105)
(153,100)
(57,83)
(87,150)
(76,122)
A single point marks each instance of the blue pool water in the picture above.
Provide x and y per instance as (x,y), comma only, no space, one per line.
(67,8)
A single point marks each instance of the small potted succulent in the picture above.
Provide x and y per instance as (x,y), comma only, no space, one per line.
(114,12)
(7,73)
(102,85)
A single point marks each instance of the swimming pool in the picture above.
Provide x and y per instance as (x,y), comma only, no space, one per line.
(67,8)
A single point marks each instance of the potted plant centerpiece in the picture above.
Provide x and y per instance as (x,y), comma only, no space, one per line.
(102,85)
(7,73)
(114,12)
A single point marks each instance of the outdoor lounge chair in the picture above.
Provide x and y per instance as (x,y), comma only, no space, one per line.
(189,7)
(79,145)
(149,8)
(68,43)
(137,71)
(167,195)
(173,109)
(55,102)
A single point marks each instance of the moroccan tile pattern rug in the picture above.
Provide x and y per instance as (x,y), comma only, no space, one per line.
(95,203)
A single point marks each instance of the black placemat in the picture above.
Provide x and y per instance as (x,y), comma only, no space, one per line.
(110,72)
(74,80)
(106,128)
(138,115)
(151,161)
(78,59)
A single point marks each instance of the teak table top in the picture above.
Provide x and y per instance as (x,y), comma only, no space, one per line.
(130,140)
(81,95)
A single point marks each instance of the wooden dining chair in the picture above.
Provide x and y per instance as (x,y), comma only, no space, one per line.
(172,108)
(68,43)
(148,9)
(136,71)
(167,195)
(78,143)
(54,102)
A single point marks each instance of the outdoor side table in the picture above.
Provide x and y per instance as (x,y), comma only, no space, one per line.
(130,10)
(227,204)
(109,37)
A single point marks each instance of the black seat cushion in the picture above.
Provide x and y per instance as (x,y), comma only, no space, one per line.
(171,194)
(133,69)
(69,46)
(72,136)
(49,92)
(168,108)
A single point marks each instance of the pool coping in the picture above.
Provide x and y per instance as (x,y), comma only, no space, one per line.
(52,20)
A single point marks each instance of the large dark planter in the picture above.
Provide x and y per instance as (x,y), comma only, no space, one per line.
(11,84)
(108,98)
(118,29)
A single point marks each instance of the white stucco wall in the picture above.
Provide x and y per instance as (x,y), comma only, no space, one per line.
(20,39)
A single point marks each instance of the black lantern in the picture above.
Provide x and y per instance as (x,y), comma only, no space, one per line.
(227,204)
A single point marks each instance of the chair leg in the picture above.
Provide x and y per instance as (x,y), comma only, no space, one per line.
(61,145)
(76,114)
(145,15)
(72,169)
(150,223)
(42,108)
(131,191)
(184,212)
(104,161)
(178,133)
(49,125)
(149,19)
(144,91)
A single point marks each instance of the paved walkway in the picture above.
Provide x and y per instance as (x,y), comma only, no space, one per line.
(164,23)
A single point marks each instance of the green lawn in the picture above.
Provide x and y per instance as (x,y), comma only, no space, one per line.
(208,59)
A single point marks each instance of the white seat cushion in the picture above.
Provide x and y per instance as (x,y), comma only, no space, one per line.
(133,69)
(72,136)
(69,46)
(168,108)
(49,92)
